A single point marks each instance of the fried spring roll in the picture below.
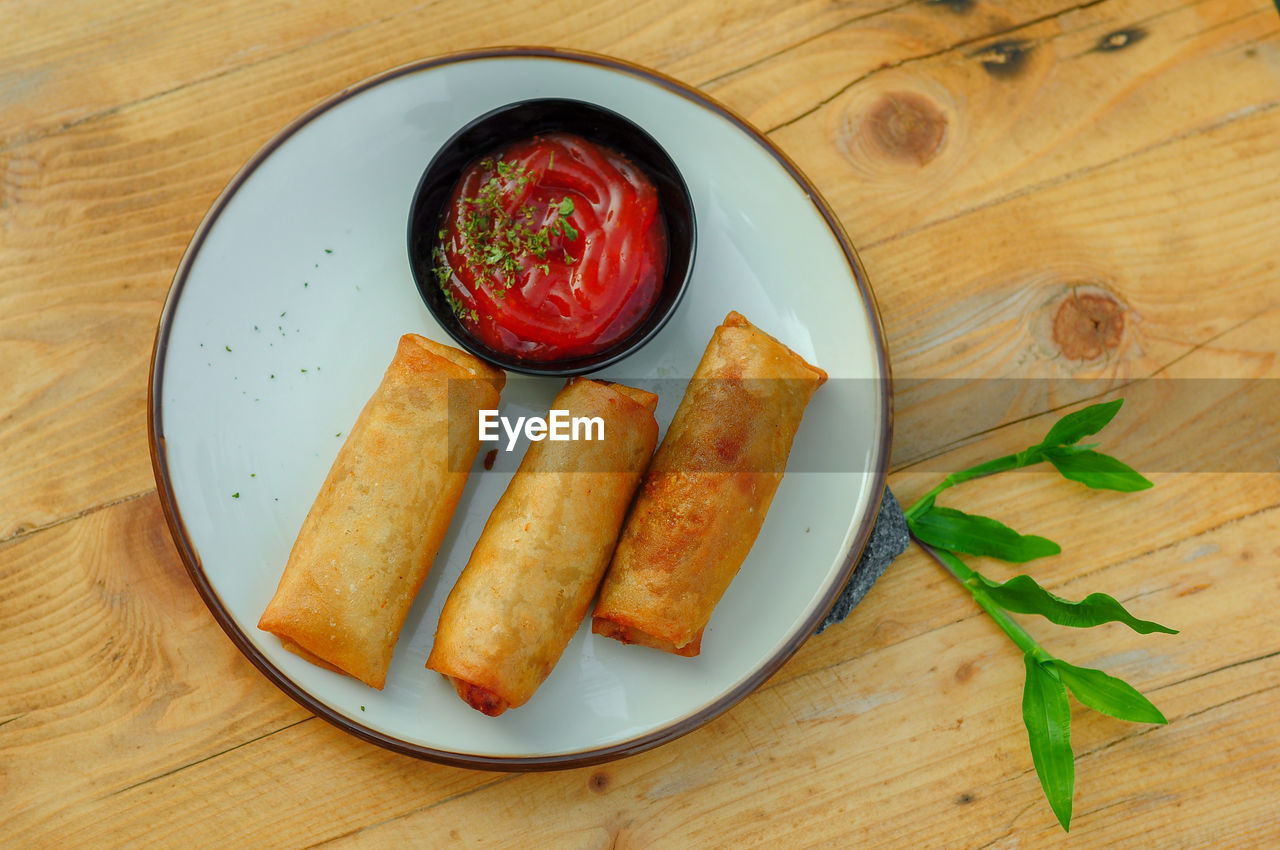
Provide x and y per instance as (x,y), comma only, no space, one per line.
(543,551)
(706,493)
(372,533)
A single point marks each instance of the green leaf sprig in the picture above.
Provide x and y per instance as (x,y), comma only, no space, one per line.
(946,533)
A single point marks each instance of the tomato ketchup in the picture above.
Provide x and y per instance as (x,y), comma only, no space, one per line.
(552,248)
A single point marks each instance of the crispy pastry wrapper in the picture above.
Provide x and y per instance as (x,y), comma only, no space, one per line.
(538,563)
(373,531)
(705,495)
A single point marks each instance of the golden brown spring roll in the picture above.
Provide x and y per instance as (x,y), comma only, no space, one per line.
(539,560)
(706,493)
(370,538)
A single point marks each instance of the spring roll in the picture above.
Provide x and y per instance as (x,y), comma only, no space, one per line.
(706,493)
(369,539)
(539,560)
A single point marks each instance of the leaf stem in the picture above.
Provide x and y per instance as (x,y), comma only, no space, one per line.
(991,467)
(966,577)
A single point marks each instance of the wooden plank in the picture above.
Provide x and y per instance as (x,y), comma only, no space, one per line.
(115,679)
(796,82)
(924,141)
(129,710)
(1113,235)
(157,47)
(999,323)
(133,54)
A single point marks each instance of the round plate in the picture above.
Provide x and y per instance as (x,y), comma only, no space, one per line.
(286,310)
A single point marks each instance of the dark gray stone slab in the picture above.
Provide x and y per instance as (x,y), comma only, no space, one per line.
(889,539)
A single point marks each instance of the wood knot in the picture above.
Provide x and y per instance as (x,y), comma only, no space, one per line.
(905,125)
(599,782)
(1088,324)
(1120,39)
(1004,59)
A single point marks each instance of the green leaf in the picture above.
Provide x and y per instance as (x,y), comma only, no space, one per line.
(1096,470)
(948,528)
(1107,694)
(1074,427)
(1047,715)
(1023,595)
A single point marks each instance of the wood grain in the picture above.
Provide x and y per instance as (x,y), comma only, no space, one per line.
(135,686)
(1062,108)
(44,79)
(153,164)
(1056,201)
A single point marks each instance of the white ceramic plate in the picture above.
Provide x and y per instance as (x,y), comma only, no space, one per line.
(286,310)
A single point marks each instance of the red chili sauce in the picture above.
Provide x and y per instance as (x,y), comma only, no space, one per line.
(552,248)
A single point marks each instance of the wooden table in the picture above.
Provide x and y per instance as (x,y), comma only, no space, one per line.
(1045,189)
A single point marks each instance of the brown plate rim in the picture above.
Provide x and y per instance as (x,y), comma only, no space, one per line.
(675,729)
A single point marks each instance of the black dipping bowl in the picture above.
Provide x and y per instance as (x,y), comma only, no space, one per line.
(515,122)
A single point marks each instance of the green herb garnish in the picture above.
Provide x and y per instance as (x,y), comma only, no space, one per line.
(947,533)
(562,225)
(496,243)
